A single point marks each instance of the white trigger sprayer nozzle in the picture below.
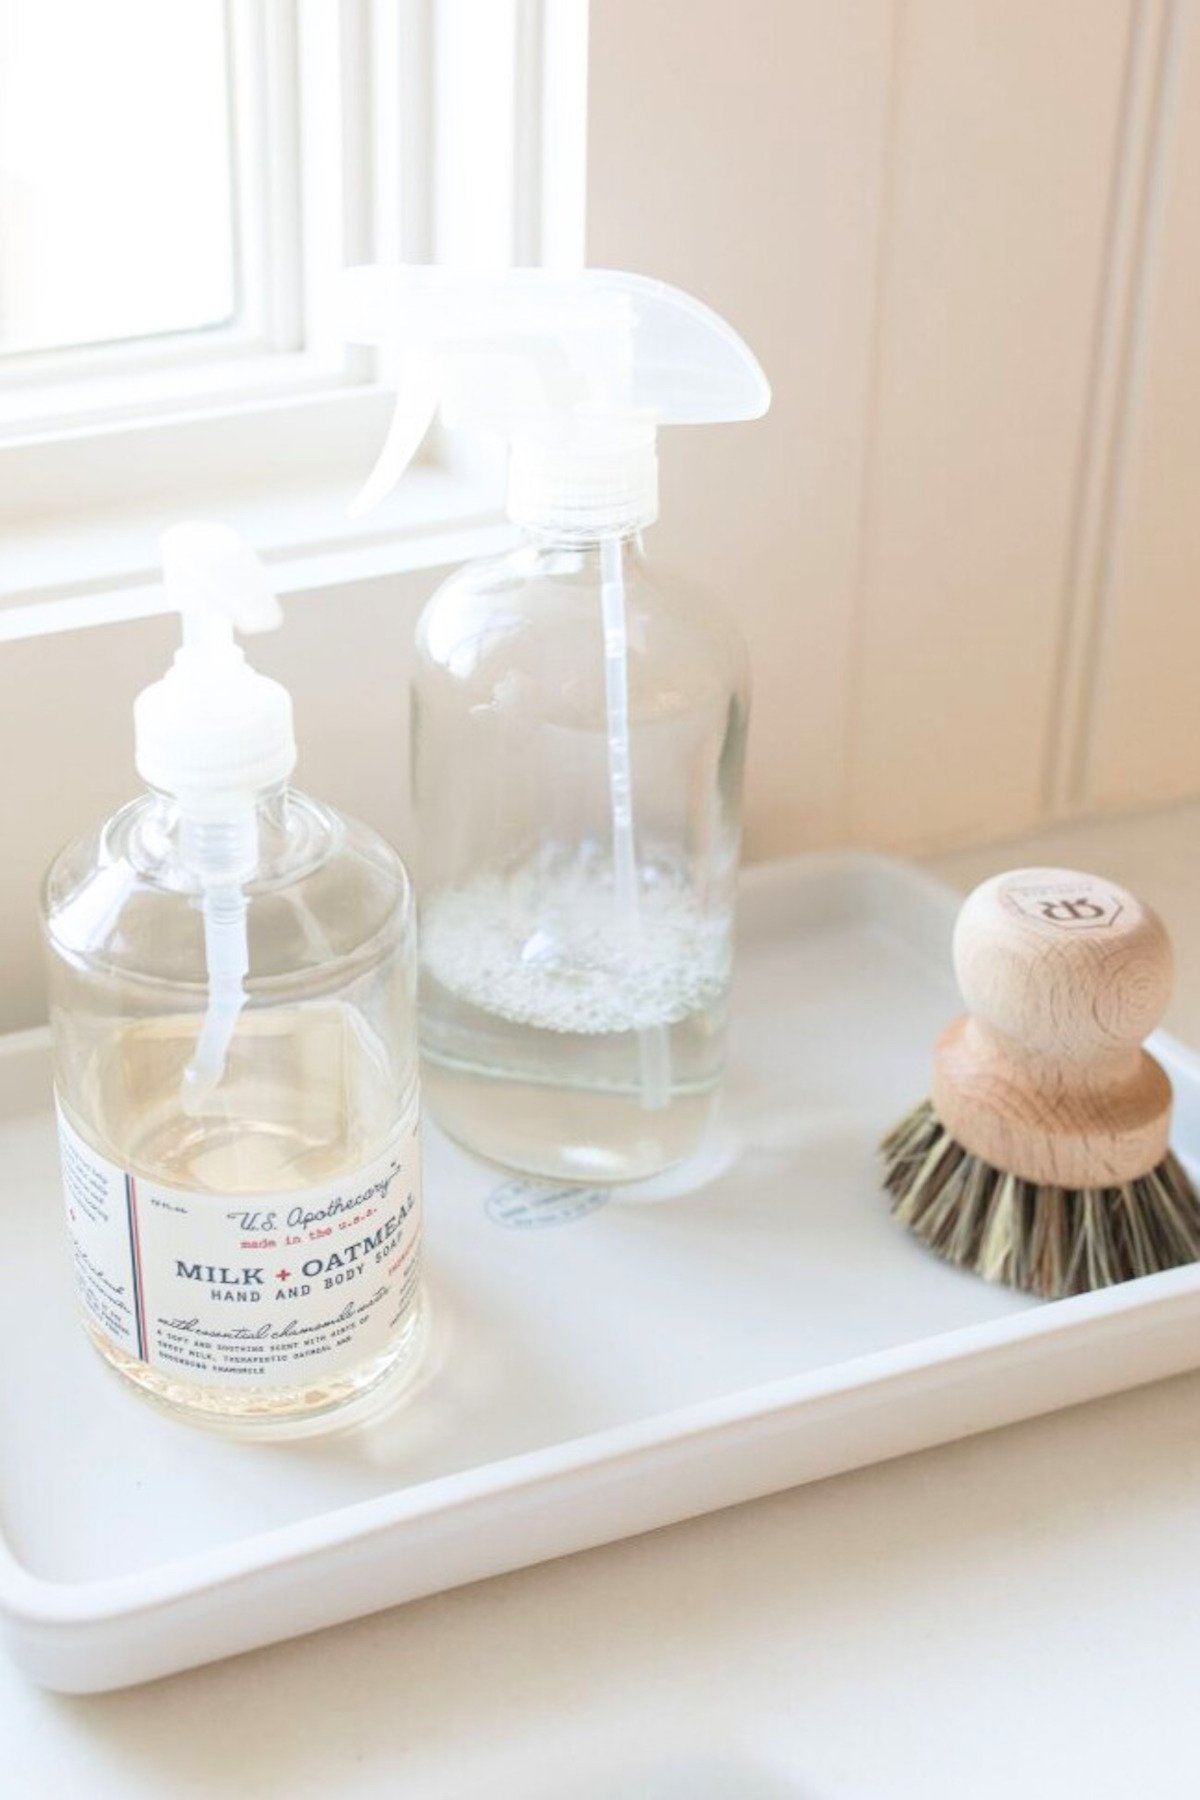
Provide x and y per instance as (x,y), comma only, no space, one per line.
(215,735)
(576,371)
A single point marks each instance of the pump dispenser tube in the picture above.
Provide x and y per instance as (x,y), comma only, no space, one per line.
(214,734)
(224,853)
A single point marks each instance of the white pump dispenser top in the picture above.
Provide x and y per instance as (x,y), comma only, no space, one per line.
(577,370)
(215,734)
(213,731)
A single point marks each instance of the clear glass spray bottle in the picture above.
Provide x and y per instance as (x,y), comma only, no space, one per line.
(579,724)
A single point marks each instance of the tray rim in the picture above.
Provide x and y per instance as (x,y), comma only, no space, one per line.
(27,1599)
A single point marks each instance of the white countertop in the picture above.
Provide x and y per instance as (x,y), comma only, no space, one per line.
(1017,1614)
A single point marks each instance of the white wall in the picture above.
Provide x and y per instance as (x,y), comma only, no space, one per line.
(964,237)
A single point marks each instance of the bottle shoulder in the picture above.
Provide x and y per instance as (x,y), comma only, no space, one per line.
(538,613)
(532,582)
(327,888)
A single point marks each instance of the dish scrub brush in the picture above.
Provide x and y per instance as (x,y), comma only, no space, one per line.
(1040,1159)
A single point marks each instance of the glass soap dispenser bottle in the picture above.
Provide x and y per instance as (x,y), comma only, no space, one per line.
(579,723)
(233,1005)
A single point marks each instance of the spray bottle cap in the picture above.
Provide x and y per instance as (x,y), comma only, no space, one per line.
(214,732)
(577,370)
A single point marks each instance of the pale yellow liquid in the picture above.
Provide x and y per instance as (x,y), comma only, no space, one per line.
(306,1098)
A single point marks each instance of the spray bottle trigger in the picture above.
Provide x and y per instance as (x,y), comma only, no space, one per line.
(418,391)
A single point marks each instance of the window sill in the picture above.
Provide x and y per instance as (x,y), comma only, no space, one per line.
(99,565)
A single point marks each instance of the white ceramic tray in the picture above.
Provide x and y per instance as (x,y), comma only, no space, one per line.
(600,1367)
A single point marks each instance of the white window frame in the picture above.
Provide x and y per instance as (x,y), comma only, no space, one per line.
(471,148)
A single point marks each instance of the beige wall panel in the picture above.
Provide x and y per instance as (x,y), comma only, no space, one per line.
(738,151)
(1144,739)
(1007,123)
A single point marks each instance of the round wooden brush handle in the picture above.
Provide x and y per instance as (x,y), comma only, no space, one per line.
(1063,975)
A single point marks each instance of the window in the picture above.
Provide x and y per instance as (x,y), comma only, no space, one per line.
(116,192)
(180,187)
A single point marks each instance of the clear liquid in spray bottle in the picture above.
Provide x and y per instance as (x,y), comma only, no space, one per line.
(579,725)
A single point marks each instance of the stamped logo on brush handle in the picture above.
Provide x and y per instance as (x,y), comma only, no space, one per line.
(1079,906)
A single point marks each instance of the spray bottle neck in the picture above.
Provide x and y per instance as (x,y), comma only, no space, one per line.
(549,553)
(585,489)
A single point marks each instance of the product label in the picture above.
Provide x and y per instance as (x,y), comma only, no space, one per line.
(271,1290)
(535,1205)
(1067,901)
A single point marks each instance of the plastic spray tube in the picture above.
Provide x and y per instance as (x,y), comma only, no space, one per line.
(654,1057)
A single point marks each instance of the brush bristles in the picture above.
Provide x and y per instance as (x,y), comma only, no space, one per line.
(1044,1240)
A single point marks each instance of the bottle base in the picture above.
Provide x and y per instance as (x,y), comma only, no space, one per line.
(281,1415)
(583,1137)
